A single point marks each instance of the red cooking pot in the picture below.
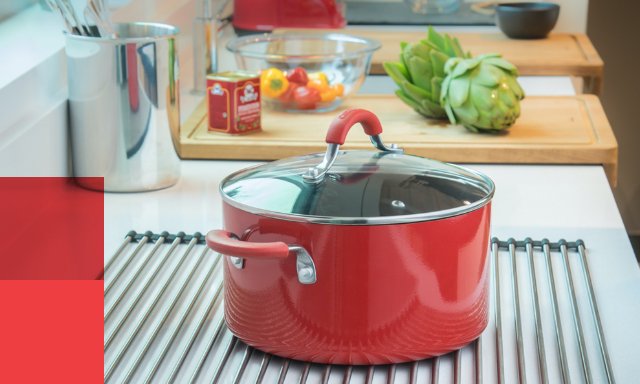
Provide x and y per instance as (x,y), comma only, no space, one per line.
(355,257)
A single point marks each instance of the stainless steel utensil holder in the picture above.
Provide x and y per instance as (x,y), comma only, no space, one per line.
(124,107)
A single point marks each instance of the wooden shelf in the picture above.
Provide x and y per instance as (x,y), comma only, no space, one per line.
(551,130)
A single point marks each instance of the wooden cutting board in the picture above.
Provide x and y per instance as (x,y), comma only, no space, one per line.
(550,130)
(566,54)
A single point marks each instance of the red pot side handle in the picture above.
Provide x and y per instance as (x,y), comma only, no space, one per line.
(226,243)
(341,125)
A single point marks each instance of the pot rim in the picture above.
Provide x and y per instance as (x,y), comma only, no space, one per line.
(374,220)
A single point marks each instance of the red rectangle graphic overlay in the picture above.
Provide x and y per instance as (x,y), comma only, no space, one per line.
(51,331)
(52,229)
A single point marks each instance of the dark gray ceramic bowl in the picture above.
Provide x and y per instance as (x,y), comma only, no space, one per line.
(527,20)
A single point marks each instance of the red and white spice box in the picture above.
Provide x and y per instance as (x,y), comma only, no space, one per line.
(233,100)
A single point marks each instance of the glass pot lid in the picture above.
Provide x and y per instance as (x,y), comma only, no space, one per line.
(357,187)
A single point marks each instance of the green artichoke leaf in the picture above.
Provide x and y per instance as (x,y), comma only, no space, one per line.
(444,88)
(403,45)
(405,54)
(516,110)
(457,48)
(408,100)
(508,98)
(436,87)
(416,92)
(463,67)
(429,44)
(435,110)
(482,97)
(421,72)
(496,111)
(472,128)
(396,71)
(438,61)
(435,38)
(488,56)
(515,87)
(458,91)
(467,113)
(504,64)
(415,49)
(448,48)
(484,120)
(488,76)
(451,63)
(450,114)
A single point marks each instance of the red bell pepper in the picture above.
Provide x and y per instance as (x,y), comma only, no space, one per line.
(298,75)
(306,98)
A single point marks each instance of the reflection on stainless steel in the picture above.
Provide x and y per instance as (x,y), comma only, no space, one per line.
(124,107)
(96,12)
(196,347)
(457,367)
(478,362)
(576,313)
(129,281)
(305,267)
(556,312)
(498,312)
(316,174)
(206,25)
(595,312)
(205,37)
(435,370)
(144,285)
(376,140)
(542,356)
(116,275)
(522,377)
(237,262)
(70,14)
(71,28)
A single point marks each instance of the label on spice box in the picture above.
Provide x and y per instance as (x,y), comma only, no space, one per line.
(233,100)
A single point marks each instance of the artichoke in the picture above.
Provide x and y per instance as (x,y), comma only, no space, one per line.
(420,72)
(481,93)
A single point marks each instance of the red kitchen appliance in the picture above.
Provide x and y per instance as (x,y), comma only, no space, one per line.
(266,15)
(355,257)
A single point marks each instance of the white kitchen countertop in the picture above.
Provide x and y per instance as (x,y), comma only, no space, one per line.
(550,201)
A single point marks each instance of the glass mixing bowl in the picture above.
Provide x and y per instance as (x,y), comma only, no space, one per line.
(305,71)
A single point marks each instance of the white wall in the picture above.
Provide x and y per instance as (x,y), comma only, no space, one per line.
(33,97)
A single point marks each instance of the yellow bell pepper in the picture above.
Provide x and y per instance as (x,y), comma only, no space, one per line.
(321,76)
(273,83)
(338,89)
(318,80)
(328,95)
